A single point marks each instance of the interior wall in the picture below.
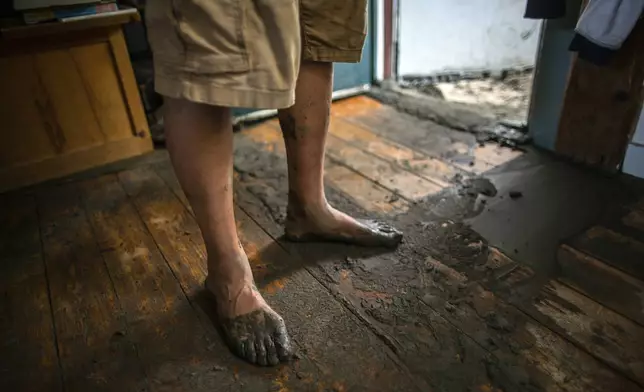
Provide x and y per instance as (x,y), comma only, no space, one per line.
(634,160)
(465,35)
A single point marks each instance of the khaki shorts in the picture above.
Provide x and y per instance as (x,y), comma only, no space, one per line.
(246,53)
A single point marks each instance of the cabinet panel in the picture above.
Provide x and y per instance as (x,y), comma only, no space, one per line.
(103,87)
(23,135)
(72,117)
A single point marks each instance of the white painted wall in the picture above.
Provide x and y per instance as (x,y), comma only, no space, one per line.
(465,35)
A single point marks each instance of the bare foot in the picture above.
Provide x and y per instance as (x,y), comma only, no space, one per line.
(252,330)
(329,224)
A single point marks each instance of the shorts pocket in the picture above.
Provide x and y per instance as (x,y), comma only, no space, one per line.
(200,36)
(335,24)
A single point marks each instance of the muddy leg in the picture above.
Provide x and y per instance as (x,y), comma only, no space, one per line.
(199,138)
(305,125)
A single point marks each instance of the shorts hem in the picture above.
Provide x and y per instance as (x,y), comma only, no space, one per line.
(332,55)
(212,94)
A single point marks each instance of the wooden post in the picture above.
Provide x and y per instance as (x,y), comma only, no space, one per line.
(602,105)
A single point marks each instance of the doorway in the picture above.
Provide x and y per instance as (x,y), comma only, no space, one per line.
(475,53)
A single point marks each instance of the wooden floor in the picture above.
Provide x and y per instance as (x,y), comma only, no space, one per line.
(101,280)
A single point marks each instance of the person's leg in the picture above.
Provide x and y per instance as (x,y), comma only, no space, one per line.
(199,139)
(201,75)
(305,125)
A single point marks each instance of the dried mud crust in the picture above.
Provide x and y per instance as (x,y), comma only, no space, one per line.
(259,337)
(372,233)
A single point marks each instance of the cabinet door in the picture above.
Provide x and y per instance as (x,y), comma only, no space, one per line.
(24,136)
(67,107)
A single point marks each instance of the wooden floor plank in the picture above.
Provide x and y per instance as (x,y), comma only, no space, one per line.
(429,168)
(532,353)
(635,220)
(430,351)
(267,135)
(170,224)
(460,149)
(322,336)
(603,283)
(29,360)
(551,361)
(613,248)
(430,138)
(176,232)
(383,173)
(611,338)
(347,354)
(367,194)
(355,106)
(96,350)
(605,334)
(176,350)
(260,151)
(404,183)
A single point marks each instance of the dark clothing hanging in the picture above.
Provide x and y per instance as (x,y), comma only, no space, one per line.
(545,9)
(602,27)
(590,51)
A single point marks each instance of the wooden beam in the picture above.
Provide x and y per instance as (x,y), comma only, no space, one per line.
(602,106)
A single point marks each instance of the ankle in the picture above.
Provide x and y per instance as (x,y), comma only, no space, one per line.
(302,208)
(228,267)
(223,251)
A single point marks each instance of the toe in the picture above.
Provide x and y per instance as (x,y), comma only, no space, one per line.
(283,345)
(383,233)
(281,339)
(271,351)
(239,348)
(259,337)
(260,350)
(385,228)
(251,355)
(390,231)
(379,227)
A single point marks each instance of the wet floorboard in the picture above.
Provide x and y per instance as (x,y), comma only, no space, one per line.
(28,341)
(102,278)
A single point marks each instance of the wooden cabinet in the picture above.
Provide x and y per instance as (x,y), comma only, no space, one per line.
(68,100)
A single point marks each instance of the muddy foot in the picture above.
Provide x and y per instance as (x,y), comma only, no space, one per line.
(335,226)
(252,330)
(259,337)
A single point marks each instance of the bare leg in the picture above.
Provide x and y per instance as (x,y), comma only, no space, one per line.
(304,125)
(199,138)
